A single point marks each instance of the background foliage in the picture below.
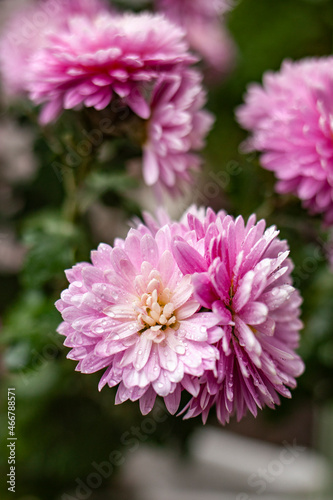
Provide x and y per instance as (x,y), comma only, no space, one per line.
(63,423)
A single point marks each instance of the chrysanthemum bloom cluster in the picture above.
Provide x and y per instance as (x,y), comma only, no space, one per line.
(242,273)
(290,118)
(88,56)
(205,305)
(103,56)
(132,311)
(206,33)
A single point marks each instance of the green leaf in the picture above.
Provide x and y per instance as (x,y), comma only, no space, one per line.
(29,332)
(52,243)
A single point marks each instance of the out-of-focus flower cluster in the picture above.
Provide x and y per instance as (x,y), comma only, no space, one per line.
(205,30)
(290,119)
(70,55)
(204,306)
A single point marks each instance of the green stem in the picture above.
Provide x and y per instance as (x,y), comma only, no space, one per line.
(70,207)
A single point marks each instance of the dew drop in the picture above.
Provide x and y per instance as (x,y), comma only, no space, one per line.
(99,330)
(203,329)
(116,337)
(160,385)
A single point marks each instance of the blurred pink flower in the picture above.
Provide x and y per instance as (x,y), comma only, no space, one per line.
(176,128)
(102,56)
(27,31)
(132,311)
(206,33)
(290,119)
(242,273)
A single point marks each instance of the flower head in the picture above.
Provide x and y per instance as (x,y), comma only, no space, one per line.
(102,56)
(206,33)
(176,128)
(290,118)
(28,31)
(132,312)
(242,273)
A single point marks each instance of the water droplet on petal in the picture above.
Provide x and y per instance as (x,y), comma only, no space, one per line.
(180,349)
(99,330)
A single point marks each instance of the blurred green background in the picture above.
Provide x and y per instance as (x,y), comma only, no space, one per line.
(63,423)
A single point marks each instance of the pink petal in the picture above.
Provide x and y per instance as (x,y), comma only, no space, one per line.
(172,400)
(254,313)
(151,169)
(147,401)
(188,259)
(204,290)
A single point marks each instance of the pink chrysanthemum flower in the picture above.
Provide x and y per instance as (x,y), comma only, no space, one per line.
(177,127)
(132,312)
(242,273)
(27,32)
(97,58)
(206,33)
(290,118)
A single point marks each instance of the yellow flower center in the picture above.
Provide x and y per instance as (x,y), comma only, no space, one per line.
(156,311)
